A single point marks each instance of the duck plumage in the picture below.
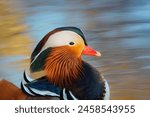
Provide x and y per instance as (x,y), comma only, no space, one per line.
(64,68)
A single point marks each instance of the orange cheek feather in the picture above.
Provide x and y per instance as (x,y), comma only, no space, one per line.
(76,50)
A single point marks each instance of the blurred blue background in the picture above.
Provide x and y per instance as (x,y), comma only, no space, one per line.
(120,29)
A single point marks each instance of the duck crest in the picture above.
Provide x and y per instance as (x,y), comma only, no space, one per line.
(40,45)
(45,38)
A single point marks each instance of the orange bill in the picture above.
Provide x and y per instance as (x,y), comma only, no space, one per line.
(90,51)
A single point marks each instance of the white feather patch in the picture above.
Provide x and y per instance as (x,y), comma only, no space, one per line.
(61,38)
(35,90)
(107,89)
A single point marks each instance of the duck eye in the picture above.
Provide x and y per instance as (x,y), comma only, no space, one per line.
(71,43)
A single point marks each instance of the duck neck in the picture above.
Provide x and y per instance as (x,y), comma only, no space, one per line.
(62,68)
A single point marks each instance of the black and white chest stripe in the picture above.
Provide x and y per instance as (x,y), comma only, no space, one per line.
(65,95)
(32,91)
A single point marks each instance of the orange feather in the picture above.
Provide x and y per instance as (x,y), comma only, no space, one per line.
(62,67)
(9,91)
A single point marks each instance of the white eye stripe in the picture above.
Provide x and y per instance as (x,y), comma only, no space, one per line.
(62,38)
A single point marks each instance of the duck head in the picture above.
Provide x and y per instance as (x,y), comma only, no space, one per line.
(58,56)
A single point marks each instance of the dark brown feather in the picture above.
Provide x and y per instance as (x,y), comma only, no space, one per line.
(42,43)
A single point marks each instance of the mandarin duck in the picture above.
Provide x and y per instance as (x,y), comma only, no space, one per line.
(57,69)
